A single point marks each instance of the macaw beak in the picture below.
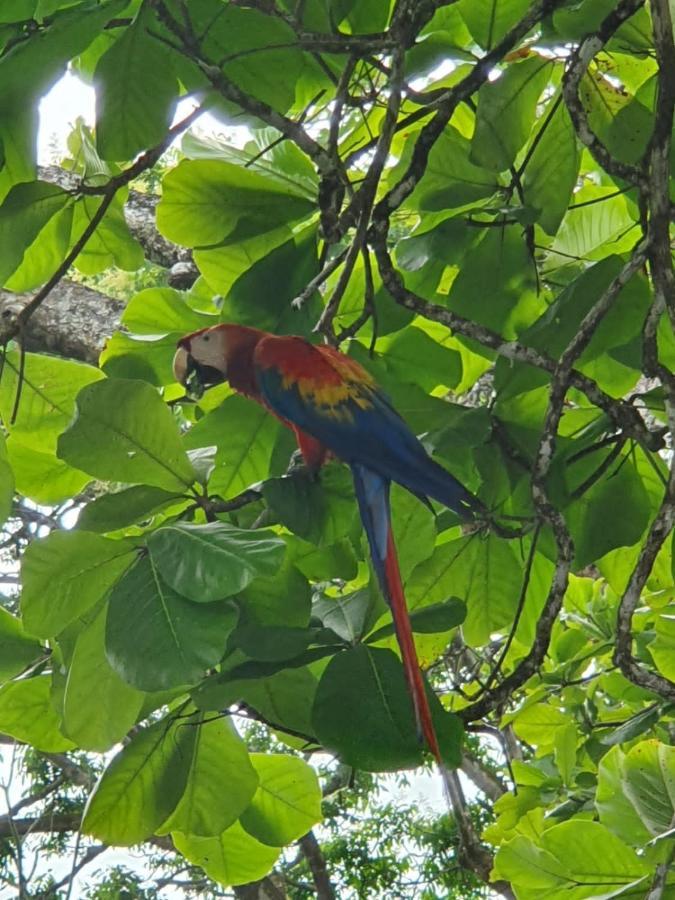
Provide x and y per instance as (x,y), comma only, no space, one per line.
(181,365)
(193,375)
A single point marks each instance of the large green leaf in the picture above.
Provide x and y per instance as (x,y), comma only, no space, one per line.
(29,68)
(141,786)
(284,699)
(232,858)
(96,719)
(267,63)
(551,171)
(489,20)
(158,310)
(244,435)
(135,92)
(613,804)
(112,511)
(577,859)
(23,214)
(27,714)
(362,710)
(451,180)
(48,391)
(505,112)
(156,639)
(483,571)
(221,780)
(282,599)
(321,511)
(204,200)
(64,574)
(40,475)
(112,244)
(124,432)
(496,285)
(209,562)
(17,649)
(648,780)
(288,800)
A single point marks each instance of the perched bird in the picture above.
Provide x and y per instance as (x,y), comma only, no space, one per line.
(334,406)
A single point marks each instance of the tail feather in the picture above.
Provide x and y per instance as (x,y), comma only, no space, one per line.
(372,492)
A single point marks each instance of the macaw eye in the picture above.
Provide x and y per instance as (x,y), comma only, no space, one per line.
(207,338)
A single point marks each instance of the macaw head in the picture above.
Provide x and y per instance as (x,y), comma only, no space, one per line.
(216,354)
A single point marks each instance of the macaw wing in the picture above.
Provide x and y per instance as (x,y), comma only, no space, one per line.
(331,397)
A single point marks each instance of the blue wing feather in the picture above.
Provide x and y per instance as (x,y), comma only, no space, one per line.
(362,427)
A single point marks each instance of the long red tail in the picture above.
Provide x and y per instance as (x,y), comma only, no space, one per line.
(372,493)
(406,642)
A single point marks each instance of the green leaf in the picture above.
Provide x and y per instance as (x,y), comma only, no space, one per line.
(96,719)
(283,698)
(506,110)
(320,511)
(649,783)
(287,803)
(44,256)
(50,386)
(290,266)
(577,858)
(135,92)
(347,615)
(362,710)
(220,783)
(489,20)
(113,511)
(613,513)
(6,481)
(156,639)
(496,284)
(23,214)
(17,649)
(112,244)
(662,648)
(204,200)
(232,858)
(162,310)
(244,435)
(551,171)
(268,62)
(451,180)
(27,71)
(65,574)
(213,561)
(432,619)
(27,714)
(40,476)
(271,643)
(483,571)
(615,809)
(283,599)
(442,365)
(141,786)
(123,431)
(539,725)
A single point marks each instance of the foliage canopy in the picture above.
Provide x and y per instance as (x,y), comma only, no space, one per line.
(474,200)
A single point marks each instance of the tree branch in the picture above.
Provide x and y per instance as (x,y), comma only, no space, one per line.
(576,69)
(317,863)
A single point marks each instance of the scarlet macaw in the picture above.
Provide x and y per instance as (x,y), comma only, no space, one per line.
(333,405)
